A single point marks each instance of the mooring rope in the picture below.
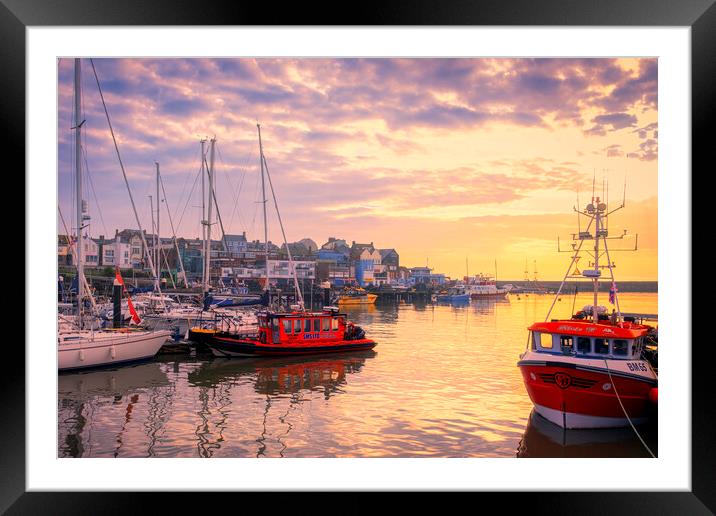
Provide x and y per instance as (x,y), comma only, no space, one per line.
(625,412)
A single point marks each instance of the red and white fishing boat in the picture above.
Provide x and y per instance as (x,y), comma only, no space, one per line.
(483,286)
(590,371)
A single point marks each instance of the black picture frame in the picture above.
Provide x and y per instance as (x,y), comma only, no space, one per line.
(699,15)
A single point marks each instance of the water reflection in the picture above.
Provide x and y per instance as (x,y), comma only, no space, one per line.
(442,382)
(545,439)
(276,375)
(83,394)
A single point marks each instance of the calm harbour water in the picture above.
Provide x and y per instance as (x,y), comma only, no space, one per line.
(442,382)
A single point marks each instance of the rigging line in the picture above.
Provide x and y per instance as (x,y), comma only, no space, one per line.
(288,249)
(625,412)
(231,186)
(186,182)
(94,193)
(71,245)
(218,213)
(188,199)
(236,192)
(126,181)
(242,221)
(174,234)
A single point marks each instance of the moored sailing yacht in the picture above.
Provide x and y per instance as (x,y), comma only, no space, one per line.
(590,371)
(82,348)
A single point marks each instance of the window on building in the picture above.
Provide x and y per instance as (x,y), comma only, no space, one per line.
(566,343)
(601,346)
(584,345)
(620,347)
(326,324)
(287,326)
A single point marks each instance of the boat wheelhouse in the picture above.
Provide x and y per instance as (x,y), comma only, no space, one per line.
(581,374)
(293,334)
(592,370)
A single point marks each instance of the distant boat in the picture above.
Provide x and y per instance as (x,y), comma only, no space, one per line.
(456,294)
(484,287)
(356,296)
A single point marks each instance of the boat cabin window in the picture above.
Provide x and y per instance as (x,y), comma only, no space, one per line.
(541,340)
(274,325)
(287,326)
(316,325)
(307,325)
(620,347)
(297,326)
(566,344)
(601,346)
(584,345)
(636,347)
(326,324)
(334,323)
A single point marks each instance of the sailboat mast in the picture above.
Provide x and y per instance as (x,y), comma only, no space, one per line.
(263,195)
(158,245)
(78,181)
(207,262)
(204,280)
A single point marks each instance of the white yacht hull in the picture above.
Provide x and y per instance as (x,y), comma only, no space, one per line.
(93,349)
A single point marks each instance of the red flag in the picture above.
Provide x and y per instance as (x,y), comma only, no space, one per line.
(135,316)
(612,293)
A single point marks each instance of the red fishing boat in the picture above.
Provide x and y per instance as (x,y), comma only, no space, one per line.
(294,334)
(591,370)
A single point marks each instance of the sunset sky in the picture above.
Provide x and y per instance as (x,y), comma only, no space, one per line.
(442,159)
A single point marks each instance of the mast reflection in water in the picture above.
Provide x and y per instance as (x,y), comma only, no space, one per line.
(442,383)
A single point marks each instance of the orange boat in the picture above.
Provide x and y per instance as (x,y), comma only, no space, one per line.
(294,334)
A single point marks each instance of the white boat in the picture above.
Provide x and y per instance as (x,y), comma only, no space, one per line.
(86,348)
(483,287)
(78,347)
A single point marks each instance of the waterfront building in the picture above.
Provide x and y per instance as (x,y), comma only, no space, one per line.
(419,275)
(336,244)
(236,245)
(367,265)
(277,270)
(133,238)
(333,263)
